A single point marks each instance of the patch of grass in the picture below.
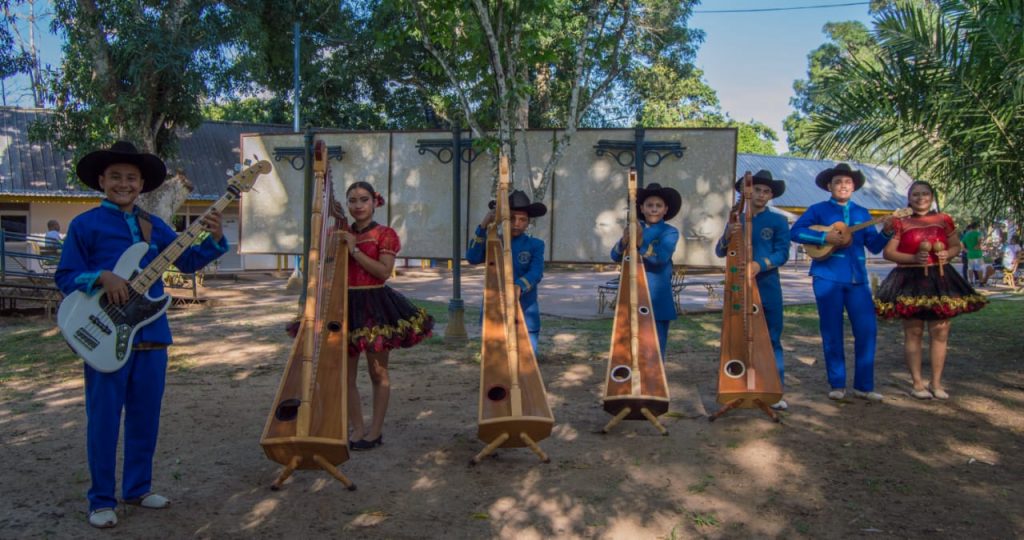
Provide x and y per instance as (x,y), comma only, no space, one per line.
(702,485)
(704,520)
(33,348)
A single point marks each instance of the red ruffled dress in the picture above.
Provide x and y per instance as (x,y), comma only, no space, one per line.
(922,292)
(380,319)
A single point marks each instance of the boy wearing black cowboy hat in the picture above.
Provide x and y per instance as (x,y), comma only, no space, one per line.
(770,242)
(841,281)
(95,241)
(527,255)
(655,205)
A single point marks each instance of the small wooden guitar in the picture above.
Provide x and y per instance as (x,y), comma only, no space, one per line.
(820,253)
(102,333)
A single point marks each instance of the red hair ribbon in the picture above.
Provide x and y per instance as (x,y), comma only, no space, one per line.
(379,198)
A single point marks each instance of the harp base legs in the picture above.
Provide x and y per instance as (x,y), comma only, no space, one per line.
(323,463)
(737,402)
(500,440)
(625,412)
(616,419)
(654,420)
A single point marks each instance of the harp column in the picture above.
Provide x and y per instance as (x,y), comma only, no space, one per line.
(639,152)
(298,157)
(455,151)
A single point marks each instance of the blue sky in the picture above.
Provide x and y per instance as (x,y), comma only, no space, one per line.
(752,59)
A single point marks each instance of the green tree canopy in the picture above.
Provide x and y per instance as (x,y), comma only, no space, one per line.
(944,99)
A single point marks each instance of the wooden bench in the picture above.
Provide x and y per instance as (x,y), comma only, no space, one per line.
(608,291)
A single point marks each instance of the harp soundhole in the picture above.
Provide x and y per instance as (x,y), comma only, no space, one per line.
(334,326)
(644,310)
(735,368)
(626,258)
(755,308)
(287,410)
(732,252)
(621,373)
(497,393)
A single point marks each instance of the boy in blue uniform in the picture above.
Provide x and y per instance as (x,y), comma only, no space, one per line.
(95,241)
(655,205)
(527,255)
(841,280)
(770,241)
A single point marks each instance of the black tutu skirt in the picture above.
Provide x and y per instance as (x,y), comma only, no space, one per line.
(908,293)
(380,319)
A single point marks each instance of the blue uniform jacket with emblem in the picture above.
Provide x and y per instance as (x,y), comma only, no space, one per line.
(846,265)
(97,238)
(527,269)
(659,243)
(770,241)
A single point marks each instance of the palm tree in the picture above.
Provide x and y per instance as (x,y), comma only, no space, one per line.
(944,100)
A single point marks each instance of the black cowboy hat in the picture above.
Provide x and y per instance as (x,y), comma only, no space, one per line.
(841,169)
(764,178)
(671,197)
(518,201)
(91,166)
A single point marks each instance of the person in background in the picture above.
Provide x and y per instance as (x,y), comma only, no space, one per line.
(527,255)
(840,281)
(924,289)
(96,240)
(655,205)
(53,237)
(770,242)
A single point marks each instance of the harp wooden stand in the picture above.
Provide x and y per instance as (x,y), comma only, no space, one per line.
(747,375)
(635,384)
(307,427)
(513,410)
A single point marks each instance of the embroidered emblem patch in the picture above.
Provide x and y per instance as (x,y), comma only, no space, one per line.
(767,233)
(524,257)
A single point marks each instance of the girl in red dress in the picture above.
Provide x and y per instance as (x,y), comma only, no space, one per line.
(380,319)
(924,287)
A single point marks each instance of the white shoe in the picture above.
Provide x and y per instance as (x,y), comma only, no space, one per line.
(870,396)
(103,518)
(780,406)
(152,501)
(837,394)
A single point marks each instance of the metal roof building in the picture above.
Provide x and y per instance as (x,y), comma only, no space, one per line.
(30,169)
(885,186)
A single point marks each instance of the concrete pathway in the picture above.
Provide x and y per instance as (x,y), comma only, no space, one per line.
(574,294)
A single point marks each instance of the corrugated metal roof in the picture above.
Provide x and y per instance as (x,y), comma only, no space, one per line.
(885,186)
(207,156)
(29,167)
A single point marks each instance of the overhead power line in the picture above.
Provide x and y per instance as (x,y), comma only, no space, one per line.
(794,8)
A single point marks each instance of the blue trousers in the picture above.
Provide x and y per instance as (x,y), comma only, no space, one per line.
(137,388)
(534,336)
(662,327)
(832,298)
(770,290)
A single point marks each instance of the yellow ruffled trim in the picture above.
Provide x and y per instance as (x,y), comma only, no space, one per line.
(404,327)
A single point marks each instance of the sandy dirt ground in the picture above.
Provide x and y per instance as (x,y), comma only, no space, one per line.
(900,469)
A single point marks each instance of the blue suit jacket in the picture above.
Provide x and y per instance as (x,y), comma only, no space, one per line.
(659,243)
(96,240)
(527,269)
(846,265)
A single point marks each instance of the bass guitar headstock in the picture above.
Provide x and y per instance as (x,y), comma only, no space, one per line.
(244,180)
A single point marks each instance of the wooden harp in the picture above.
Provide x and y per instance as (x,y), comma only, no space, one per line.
(307,427)
(747,375)
(635,384)
(514,409)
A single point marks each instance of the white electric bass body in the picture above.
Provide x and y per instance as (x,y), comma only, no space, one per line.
(101,332)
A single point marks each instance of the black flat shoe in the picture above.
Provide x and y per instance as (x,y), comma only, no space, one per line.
(352,444)
(367,445)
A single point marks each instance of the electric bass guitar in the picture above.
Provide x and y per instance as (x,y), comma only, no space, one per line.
(101,332)
(820,253)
